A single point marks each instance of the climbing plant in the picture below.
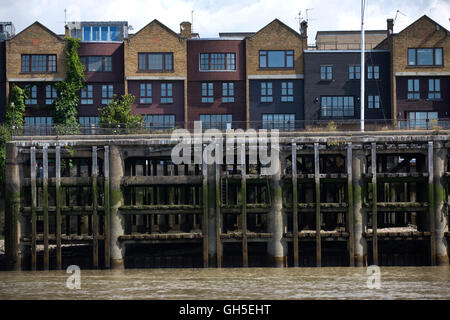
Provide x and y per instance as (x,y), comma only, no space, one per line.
(65,115)
(117,114)
(16,107)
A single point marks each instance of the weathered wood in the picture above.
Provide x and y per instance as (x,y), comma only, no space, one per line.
(318,220)
(374,203)
(45,206)
(94,208)
(244,208)
(33,206)
(58,208)
(107,205)
(218,216)
(294,204)
(431,203)
(205,213)
(350,217)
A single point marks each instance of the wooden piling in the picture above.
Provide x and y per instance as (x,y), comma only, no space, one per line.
(94,208)
(431,204)
(295,204)
(205,213)
(107,207)
(374,204)
(218,216)
(58,208)
(33,206)
(350,217)
(244,207)
(318,220)
(45,207)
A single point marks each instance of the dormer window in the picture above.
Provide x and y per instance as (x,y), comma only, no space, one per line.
(276,59)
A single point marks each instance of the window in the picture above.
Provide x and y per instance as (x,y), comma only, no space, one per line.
(216,121)
(166,93)
(95,33)
(413,89)
(207,92)
(88,122)
(421,119)
(145,93)
(100,33)
(373,102)
(32,95)
(326,72)
(107,93)
(284,122)
(434,89)
(87,33)
(159,121)
(276,59)
(38,63)
(373,72)
(87,94)
(114,33)
(217,61)
(227,92)
(266,92)
(104,33)
(338,106)
(38,125)
(425,56)
(155,62)
(97,63)
(287,91)
(50,94)
(354,72)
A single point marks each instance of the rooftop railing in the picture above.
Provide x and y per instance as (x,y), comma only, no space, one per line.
(352,125)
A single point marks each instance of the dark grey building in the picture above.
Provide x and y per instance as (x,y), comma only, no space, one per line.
(332,84)
(276,103)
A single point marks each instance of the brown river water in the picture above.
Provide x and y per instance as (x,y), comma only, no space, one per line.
(230,284)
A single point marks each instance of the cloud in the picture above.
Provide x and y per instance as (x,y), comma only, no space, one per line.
(212,17)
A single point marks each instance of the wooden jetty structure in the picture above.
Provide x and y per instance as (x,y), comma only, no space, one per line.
(336,199)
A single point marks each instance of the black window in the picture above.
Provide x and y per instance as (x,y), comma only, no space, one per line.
(279,121)
(217,61)
(207,92)
(32,95)
(166,93)
(266,92)
(434,89)
(163,121)
(50,94)
(413,89)
(287,91)
(155,62)
(227,92)
(425,56)
(145,93)
(38,63)
(87,94)
(354,72)
(373,72)
(216,121)
(276,59)
(373,102)
(338,106)
(326,72)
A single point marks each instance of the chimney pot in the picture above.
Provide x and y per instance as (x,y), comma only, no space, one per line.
(186,29)
(390,27)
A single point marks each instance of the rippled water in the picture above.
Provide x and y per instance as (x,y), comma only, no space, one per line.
(252,283)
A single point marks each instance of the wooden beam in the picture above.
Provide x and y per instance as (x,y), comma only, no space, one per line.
(33,206)
(45,206)
(244,207)
(94,208)
(294,204)
(431,202)
(218,216)
(318,220)
(205,212)
(107,205)
(374,203)
(58,209)
(350,217)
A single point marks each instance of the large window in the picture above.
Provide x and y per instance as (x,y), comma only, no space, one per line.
(421,119)
(217,61)
(373,72)
(276,59)
(155,62)
(326,72)
(413,89)
(145,93)
(266,92)
(38,125)
(50,94)
(87,94)
(287,91)
(96,63)
(38,63)
(284,122)
(100,33)
(434,89)
(354,72)
(373,102)
(425,56)
(227,92)
(32,95)
(88,122)
(338,106)
(107,93)
(166,93)
(162,121)
(216,121)
(207,92)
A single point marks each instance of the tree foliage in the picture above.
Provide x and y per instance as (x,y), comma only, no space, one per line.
(14,115)
(117,114)
(66,102)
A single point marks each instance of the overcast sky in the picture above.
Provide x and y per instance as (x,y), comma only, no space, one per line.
(212,17)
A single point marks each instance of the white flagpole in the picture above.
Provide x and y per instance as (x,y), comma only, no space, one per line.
(362,98)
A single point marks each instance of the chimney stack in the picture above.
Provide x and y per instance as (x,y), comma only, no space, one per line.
(186,29)
(66,31)
(304,28)
(390,27)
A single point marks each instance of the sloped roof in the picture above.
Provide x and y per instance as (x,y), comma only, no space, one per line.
(278,22)
(41,26)
(155,21)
